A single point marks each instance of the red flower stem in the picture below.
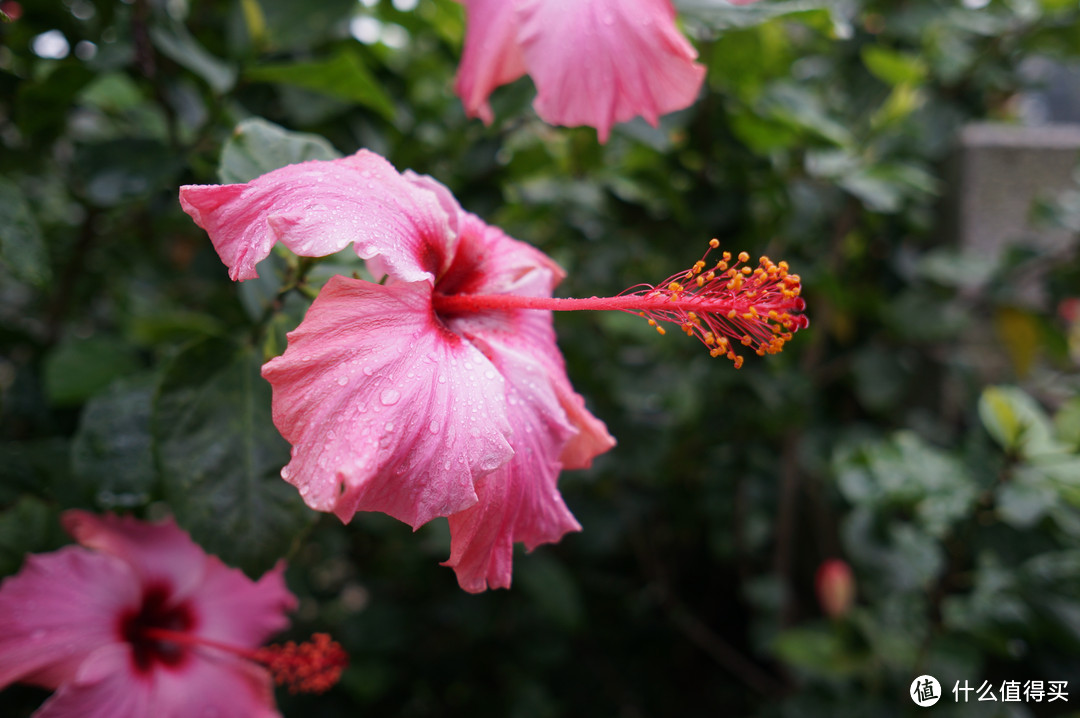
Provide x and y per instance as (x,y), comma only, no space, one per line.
(164,634)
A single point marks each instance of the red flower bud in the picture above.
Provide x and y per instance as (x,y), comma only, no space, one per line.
(835,586)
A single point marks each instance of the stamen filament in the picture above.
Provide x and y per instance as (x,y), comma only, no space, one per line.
(729,304)
(310,667)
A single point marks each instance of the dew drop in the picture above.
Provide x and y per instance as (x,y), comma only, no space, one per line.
(433,427)
(342,380)
(368,371)
(388,426)
(389,397)
(285,473)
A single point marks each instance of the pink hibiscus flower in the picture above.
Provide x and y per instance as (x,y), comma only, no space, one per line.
(138,621)
(389,405)
(594,62)
(442,392)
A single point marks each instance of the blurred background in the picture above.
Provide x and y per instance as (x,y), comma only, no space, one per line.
(912,162)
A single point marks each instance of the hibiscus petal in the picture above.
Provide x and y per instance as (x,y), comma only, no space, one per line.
(159,553)
(489,262)
(233,609)
(386,409)
(491,57)
(104,687)
(58,609)
(519,501)
(213,685)
(318,208)
(598,62)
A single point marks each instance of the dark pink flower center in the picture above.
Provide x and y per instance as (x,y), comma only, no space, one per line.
(157,611)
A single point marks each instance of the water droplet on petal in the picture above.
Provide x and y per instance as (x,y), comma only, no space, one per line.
(389,397)
(368,371)
(388,426)
(342,380)
(433,427)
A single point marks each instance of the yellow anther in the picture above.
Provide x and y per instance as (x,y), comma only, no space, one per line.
(732,314)
(726,256)
(738,362)
(710,339)
(701,281)
(783,265)
(710,276)
(661,331)
(746,270)
(714,243)
(652,322)
(743,256)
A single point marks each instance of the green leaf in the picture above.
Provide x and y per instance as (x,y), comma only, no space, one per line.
(79,368)
(257,147)
(22,247)
(113,172)
(893,68)
(111,457)
(30,526)
(176,43)
(1067,423)
(816,651)
(1016,422)
(722,15)
(220,457)
(34,466)
(342,76)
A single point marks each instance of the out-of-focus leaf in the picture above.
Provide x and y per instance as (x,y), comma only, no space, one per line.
(79,368)
(893,68)
(176,43)
(121,170)
(1016,422)
(220,457)
(817,651)
(1025,500)
(1067,423)
(30,526)
(898,106)
(1019,332)
(110,454)
(254,20)
(22,247)
(342,76)
(35,466)
(295,25)
(553,589)
(721,15)
(257,147)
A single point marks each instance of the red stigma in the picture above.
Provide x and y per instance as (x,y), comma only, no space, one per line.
(310,667)
(729,304)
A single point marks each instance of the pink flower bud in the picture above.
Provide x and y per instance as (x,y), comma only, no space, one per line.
(835,586)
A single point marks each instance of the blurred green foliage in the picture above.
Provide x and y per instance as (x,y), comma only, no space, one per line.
(926,428)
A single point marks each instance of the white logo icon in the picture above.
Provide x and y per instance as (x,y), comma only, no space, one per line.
(925,691)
